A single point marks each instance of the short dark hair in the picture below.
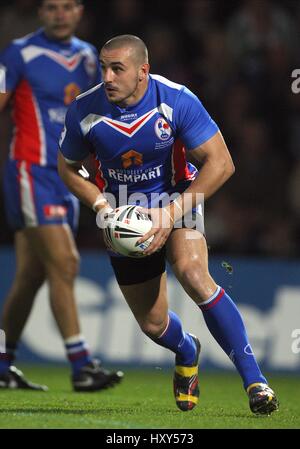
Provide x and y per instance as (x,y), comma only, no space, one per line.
(129,40)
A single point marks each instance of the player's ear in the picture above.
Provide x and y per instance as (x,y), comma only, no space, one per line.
(144,71)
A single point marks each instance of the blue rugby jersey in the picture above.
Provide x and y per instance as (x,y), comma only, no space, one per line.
(45,75)
(143,145)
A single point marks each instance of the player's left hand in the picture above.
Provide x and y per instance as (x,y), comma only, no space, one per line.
(162,225)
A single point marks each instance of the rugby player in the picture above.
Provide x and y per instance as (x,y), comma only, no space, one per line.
(138,123)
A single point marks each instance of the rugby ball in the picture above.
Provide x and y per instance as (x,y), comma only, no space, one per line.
(125,226)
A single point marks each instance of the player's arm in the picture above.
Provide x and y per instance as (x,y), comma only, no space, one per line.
(86,191)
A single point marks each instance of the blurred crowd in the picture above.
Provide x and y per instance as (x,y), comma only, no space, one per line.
(238,57)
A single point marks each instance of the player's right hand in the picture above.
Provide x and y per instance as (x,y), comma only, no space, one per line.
(162,225)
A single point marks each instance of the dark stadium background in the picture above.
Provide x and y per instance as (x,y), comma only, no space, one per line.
(237,56)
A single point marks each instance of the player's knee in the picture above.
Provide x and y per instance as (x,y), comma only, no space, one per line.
(190,274)
(153,328)
(65,265)
(71,266)
(195,279)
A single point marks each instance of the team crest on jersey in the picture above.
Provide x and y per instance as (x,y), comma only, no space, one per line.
(162,129)
(72,90)
(132,158)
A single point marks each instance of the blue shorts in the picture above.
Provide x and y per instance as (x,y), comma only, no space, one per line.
(36,196)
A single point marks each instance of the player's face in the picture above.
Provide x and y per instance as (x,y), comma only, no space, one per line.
(60,18)
(125,80)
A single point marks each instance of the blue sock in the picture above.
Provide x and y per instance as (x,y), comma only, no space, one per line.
(7,358)
(178,341)
(77,352)
(226,326)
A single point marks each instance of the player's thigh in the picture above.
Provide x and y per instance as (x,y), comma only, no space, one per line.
(188,256)
(185,246)
(29,268)
(55,247)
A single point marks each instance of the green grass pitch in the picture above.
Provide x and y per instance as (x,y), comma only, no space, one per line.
(143,400)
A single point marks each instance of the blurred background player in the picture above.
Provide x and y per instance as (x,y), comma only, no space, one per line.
(124,113)
(45,71)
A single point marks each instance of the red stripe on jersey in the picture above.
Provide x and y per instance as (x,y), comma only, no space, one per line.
(69,63)
(27,142)
(99,179)
(180,167)
(74,61)
(129,130)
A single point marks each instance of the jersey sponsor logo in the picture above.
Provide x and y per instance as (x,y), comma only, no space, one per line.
(129,117)
(133,176)
(71,91)
(132,157)
(162,129)
(52,211)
